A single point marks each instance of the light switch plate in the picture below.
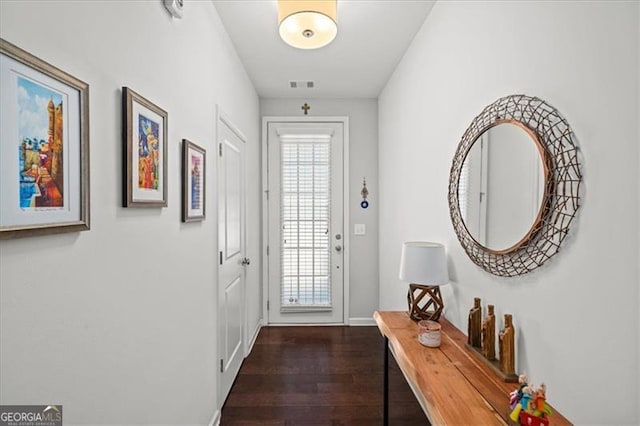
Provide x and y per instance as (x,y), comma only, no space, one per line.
(359,229)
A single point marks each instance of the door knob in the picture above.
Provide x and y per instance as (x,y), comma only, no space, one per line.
(246,261)
(338,248)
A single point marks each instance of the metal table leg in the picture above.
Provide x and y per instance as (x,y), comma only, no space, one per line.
(385,418)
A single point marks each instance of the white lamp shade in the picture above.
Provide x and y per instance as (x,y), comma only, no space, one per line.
(424,263)
(307,24)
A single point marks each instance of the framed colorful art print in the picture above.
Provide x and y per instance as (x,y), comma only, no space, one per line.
(44,147)
(145,152)
(193,181)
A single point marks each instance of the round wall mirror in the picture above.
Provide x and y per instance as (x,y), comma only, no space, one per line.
(514,185)
(501,186)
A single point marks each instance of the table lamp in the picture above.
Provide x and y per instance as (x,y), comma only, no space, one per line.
(424,266)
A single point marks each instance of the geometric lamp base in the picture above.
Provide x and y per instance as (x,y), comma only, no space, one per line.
(425,302)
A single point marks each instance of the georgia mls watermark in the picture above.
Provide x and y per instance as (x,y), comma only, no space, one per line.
(30,415)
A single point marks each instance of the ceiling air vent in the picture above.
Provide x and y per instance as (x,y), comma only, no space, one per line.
(301,84)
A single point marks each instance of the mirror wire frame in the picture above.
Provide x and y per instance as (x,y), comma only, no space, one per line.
(561,198)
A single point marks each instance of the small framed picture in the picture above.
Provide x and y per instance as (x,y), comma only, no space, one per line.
(145,152)
(44,147)
(193,181)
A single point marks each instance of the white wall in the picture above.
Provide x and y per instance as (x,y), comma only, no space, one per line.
(363,162)
(577,316)
(118,323)
(638,179)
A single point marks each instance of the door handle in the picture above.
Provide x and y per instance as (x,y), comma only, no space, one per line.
(246,261)
(338,248)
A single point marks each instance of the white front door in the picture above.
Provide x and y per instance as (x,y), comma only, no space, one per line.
(231,255)
(305,216)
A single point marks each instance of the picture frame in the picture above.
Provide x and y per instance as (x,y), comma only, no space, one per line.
(193,181)
(44,147)
(145,151)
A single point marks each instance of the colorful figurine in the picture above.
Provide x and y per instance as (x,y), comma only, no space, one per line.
(516,395)
(523,403)
(529,408)
(540,407)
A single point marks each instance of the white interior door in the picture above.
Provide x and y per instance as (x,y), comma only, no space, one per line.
(305,222)
(231,246)
(473,193)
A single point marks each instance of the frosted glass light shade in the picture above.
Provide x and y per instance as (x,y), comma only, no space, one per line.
(424,263)
(307,24)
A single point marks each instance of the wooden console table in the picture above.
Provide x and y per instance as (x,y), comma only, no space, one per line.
(452,384)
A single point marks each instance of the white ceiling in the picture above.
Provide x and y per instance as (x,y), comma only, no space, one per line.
(372,37)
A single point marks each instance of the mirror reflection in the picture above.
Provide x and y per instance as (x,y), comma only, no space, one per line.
(501,186)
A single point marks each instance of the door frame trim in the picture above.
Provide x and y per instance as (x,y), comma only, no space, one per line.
(265,213)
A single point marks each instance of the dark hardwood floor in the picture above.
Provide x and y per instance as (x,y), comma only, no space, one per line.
(304,376)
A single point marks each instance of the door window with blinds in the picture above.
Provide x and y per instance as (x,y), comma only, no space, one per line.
(305,220)
(305,209)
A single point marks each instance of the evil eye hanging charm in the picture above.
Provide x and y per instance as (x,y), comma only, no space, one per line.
(365,192)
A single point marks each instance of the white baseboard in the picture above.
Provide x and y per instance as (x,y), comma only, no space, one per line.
(357,322)
(253,338)
(215,420)
(310,324)
(367,321)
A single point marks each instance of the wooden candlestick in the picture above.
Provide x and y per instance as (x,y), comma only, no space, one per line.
(489,335)
(507,349)
(474,331)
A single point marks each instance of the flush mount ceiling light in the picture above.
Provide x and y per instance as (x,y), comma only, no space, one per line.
(307,24)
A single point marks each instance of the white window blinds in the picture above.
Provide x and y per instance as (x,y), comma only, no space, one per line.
(305,221)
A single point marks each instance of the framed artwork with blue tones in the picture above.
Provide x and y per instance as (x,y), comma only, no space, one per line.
(193,181)
(145,151)
(44,147)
